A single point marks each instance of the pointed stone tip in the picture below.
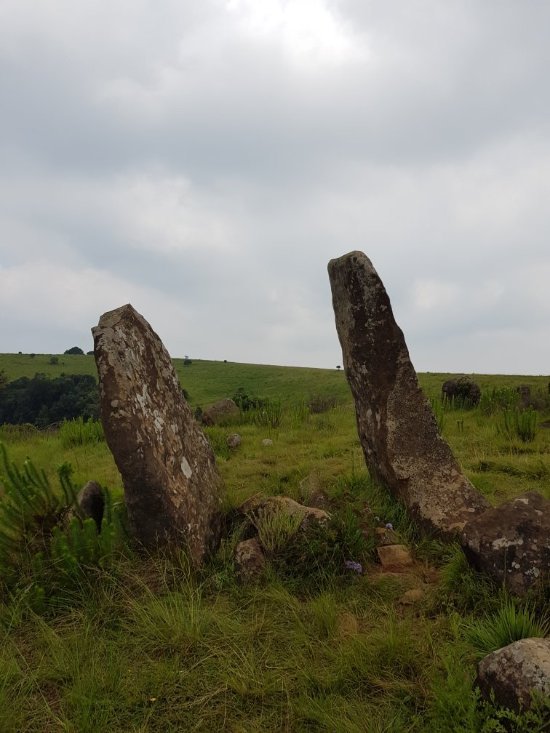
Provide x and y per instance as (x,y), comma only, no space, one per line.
(356,256)
(111,317)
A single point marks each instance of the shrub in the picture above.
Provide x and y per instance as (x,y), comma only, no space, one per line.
(322,403)
(74,350)
(501,398)
(460,393)
(246,402)
(268,415)
(520,424)
(38,541)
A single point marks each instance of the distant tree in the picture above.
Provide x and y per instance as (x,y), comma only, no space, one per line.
(90,353)
(338,367)
(43,401)
(187,361)
(74,350)
(54,360)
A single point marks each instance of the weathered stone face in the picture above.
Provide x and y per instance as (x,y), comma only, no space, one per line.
(511,542)
(512,674)
(171,484)
(397,428)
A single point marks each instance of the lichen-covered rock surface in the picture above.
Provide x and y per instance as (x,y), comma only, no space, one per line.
(512,674)
(171,483)
(511,542)
(397,429)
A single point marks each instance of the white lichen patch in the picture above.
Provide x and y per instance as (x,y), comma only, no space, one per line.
(502,543)
(186,468)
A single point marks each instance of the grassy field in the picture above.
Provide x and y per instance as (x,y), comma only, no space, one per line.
(143,644)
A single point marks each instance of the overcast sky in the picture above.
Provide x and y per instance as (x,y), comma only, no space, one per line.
(204,159)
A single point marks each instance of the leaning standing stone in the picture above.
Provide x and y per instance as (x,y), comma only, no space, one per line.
(171,484)
(397,428)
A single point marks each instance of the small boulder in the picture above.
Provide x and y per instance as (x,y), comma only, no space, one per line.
(511,542)
(91,501)
(512,674)
(220,412)
(258,505)
(267,442)
(249,560)
(233,441)
(394,557)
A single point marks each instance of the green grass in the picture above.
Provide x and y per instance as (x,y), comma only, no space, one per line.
(147,645)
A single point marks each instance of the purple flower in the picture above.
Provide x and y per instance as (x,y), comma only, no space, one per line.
(352,565)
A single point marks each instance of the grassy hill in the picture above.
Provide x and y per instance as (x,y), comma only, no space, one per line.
(138,643)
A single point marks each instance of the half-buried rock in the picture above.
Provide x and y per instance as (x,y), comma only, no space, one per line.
(171,483)
(396,425)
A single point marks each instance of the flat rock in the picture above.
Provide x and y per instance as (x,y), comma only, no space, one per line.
(171,483)
(394,556)
(514,672)
(511,542)
(260,504)
(397,428)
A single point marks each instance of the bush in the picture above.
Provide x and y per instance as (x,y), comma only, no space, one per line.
(520,424)
(74,350)
(246,402)
(501,398)
(322,403)
(42,401)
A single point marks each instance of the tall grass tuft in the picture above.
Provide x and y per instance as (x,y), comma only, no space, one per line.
(80,432)
(520,424)
(510,623)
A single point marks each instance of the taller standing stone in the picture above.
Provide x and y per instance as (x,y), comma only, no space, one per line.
(171,483)
(397,428)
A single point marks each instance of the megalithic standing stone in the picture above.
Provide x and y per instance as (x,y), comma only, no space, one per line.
(171,483)
(397,428)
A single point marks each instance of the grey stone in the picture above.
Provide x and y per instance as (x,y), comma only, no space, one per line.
(222,411)
(394,556)
(171,483)
(512,674)
(233,441)
(511,542)
(249,560)
(397,429)
(91,501)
